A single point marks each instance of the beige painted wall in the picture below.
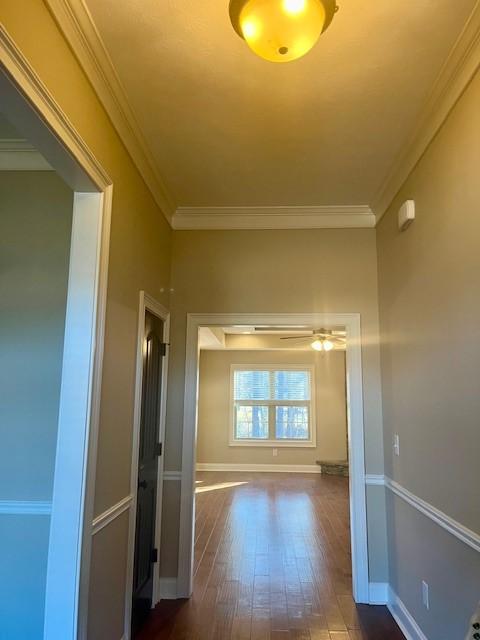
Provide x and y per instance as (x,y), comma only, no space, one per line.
(231,271)
(35,227)
(36,210)
(332,270)
(214,424)
(430,310)
(139,259)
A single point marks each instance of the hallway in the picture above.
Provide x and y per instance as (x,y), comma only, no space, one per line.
(272,561)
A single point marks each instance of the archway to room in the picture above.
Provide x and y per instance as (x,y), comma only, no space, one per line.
(271,532)
(350,325)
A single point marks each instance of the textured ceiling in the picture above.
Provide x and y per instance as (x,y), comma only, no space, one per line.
(229,129)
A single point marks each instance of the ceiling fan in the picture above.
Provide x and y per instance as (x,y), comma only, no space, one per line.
(322,339)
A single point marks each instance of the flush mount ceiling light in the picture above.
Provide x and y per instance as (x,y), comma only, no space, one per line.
(281,30)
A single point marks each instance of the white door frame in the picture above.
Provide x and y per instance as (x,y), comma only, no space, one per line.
(358,511)
(35,111)
(147,303)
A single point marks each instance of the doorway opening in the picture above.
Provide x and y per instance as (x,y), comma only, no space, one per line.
(55,293)
(274,421)
(143,578)
(271,407)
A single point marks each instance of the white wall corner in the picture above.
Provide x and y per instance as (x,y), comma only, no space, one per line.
(404,618)
(378,593)
(168,588)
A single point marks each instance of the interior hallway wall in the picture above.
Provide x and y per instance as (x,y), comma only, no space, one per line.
(429,311)
(36,210)
(214,417)
(284,271)
(140,247)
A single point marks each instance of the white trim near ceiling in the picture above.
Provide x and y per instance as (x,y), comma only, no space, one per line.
(455,75)
(27,80)
(25,507)
(322,217)
(78,27)
(20,155)
(111,514)
(77,24)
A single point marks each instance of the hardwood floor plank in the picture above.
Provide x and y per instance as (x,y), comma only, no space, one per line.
(272,561)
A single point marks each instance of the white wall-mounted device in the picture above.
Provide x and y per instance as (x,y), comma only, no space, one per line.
(406,215)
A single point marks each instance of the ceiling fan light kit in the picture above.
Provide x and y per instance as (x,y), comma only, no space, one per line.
(281,30)
(321,339)
(322,344)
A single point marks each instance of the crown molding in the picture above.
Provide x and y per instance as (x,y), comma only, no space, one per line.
(323,217)
(78,27)
(20,155)
(457,72)
(76,23)
(29,83)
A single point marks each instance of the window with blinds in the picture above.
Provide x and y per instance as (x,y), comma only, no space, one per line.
(272,405)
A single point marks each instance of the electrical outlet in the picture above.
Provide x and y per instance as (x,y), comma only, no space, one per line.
(425,595)
(396,444)
(474,630)
(275,452)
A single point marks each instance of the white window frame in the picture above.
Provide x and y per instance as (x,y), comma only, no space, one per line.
(274,442)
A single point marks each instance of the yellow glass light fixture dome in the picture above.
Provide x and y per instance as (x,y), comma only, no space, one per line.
(281,30)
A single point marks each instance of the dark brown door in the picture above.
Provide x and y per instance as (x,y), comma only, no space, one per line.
(149,450)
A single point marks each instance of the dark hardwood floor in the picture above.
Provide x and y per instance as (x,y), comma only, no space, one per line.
(272,562)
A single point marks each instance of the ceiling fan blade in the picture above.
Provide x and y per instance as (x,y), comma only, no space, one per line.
(296,337)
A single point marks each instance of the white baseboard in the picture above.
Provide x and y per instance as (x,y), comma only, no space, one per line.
(168,588)
(378,593)
(404,618)
(276,468)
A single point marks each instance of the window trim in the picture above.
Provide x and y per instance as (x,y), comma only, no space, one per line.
(272,442)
